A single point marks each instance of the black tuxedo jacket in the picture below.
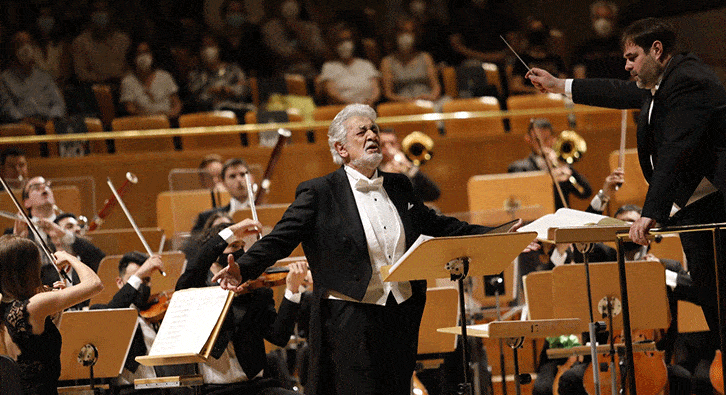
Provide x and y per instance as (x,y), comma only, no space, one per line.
(686,137)
(324,218)
(252,317)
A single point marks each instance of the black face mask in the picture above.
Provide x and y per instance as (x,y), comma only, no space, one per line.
(222,260)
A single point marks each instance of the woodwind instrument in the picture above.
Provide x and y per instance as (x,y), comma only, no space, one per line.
(35,232)
(623,133)
(550,170)
(131,220)
(284,135)
(111,202)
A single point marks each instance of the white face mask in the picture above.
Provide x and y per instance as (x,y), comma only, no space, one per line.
(290,10)
(143,61)
(25,54)
(345,49)
(603,27)
(405,41)
(417,7)
(210,54)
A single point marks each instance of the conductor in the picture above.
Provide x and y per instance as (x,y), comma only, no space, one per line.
(363,331)
(681,139)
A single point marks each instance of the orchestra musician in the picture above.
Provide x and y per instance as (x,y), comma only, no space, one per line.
(133,282)
(31,337)
(394,161)
(239,361)
(681,139)
(363,331)
(13,166)
(233,176)
(39,201)
(541,128)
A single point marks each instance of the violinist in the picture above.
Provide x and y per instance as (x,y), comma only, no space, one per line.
(233,177)
(39,201)
(134,277)
(239,363)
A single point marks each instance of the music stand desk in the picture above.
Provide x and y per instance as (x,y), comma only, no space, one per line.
(514,329)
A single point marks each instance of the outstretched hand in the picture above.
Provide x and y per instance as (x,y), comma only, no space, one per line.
(230,278)
(533,246)
(545,82)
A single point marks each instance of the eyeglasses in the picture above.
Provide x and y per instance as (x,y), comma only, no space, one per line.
(39,186)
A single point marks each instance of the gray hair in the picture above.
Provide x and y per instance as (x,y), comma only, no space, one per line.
(337,132)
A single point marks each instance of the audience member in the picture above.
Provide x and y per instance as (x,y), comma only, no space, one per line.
(408,73)
(233,174)
(537,53)
(541,129)
(395,161)
(148,90)
(433,31)
(601,56)
(241,41)
(99,53)
(479,23)
(218,85)
(27,93)
(13,166)
(297,43)
(348,79)
(54,51)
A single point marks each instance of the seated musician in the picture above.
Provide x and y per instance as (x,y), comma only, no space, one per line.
(239,359)
(394,161)
(233,177)
(542,128)
(38,199)
(134,277)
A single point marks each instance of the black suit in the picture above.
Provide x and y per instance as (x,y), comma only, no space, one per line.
(683,141)
(251,319)
(324,217)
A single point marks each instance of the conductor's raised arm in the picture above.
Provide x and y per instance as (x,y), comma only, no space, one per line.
(545,82)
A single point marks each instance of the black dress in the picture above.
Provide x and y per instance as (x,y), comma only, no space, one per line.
(39,359)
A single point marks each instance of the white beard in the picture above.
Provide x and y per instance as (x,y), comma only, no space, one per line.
(367,161)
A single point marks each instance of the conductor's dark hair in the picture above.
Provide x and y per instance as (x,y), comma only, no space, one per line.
(645,32)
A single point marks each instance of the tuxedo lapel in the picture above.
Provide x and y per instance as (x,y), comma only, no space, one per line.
(343,194)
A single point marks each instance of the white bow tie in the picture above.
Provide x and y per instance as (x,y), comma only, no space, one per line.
(365,185)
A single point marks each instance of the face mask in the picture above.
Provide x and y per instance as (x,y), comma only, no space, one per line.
(417,7)
(210,54)
(290,10)
(603,27)
(405,41)
(46,23)
(143,61)
(25,54)
(222,260)
(100,19)
(235,19)
(345,49)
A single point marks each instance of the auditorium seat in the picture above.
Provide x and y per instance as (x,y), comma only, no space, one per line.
(293,115)
(493,77)
(519,124)
(418,107)
(325,113)
(477,127)
(93,125)
(296,84)
(105,102)
(142,122)
(209,140)
(20,129)
(448,77)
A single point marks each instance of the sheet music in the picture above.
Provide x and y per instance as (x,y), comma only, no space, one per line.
(564,217)
(189,321)
(418,242)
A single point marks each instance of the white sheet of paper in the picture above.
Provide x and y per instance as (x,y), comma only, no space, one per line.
(189,321)
(563,218)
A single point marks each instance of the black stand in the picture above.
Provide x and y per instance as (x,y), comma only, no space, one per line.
(458,269)
(585,249)
(88,356)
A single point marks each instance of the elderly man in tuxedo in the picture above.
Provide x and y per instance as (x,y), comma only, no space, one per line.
(363,331)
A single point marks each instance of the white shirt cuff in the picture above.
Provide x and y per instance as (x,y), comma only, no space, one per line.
(671,278)
(596,203)
(568,87)
(227,235)
(294,298)
(134,281)
(558,259)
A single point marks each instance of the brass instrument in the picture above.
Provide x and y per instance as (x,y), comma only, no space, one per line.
(418,148)
(570,147)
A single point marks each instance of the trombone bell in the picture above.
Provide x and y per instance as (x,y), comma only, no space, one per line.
(418,147)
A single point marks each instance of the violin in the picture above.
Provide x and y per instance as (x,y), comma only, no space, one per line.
(651,374)
(272,277)
(157,309)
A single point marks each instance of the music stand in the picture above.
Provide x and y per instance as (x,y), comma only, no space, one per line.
(457,257)
(90,342)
